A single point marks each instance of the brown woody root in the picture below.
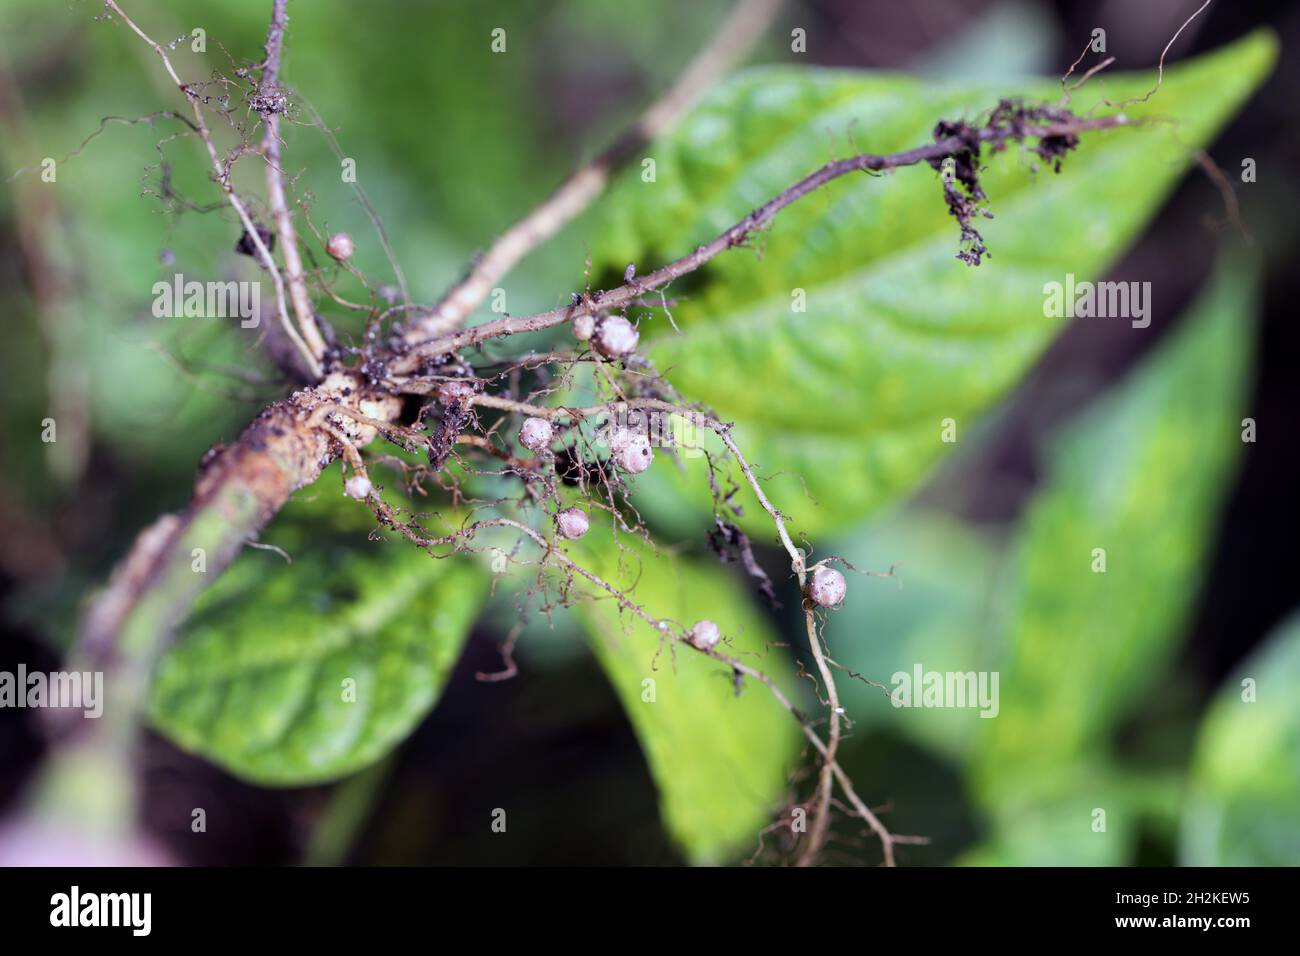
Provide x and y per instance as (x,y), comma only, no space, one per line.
(239,489)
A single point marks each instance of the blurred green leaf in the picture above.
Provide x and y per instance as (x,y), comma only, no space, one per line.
(1140,475)
(256,681)
(720,760)
(897,335)
(1244,805)
(1083,816)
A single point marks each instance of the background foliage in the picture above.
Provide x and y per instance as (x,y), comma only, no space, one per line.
(1106,679)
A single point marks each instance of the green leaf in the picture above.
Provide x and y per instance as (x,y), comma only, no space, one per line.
(256,683)
(1083,816)
(720,760)
(897,335)
(1244,805)
(1141,475)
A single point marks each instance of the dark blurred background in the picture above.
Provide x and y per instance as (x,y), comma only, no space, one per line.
(554,742)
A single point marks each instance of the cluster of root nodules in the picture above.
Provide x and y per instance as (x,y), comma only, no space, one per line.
(536,452)
(1010,121)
